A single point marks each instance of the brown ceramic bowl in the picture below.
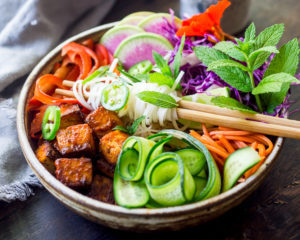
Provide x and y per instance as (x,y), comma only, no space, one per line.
(171,218)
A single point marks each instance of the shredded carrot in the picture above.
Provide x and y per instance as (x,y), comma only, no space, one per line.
(205,130)
(223,141)
(226,143)
(254,145)
(232,133)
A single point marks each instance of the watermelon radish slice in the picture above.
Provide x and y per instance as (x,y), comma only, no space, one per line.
(156,23)
(132,20)
(142,14)
(112,38)
(139,47)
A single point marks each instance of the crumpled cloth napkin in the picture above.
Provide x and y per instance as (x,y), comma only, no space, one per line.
(28,31)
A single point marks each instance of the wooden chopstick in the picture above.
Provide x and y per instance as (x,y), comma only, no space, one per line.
(237,114)
(204,113)
(233,122)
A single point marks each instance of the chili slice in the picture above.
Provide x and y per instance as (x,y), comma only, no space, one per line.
(51,122)
(115,96)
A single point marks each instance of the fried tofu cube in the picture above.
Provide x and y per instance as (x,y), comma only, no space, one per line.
(75,173)
(70,115)
(111,145)
(106,168)
(46,154)
(102,121)
(102,189)
(76,141)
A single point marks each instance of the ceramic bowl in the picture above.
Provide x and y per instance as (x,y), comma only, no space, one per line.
(171,218)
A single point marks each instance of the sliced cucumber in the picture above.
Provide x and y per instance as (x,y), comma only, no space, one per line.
(139,47)
(158,148)
(133,158)
(193,159)
(200,185)
(130,194)
(169,182)
(213,185)
(237,164)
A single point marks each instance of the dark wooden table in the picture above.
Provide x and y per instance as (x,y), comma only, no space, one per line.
(271,212)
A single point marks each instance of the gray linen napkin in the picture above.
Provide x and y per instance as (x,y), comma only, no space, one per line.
(28,30)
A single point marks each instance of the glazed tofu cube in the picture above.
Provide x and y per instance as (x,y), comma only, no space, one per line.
(76,173)
(76,141)
(102,189)
(70,115)
(106,168)
(46,154)
(111,145)
(102,121)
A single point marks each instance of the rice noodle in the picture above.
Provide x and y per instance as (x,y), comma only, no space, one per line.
(89,95)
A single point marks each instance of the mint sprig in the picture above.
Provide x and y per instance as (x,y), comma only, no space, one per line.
(158,99)
(130,129)
(235,64)
(231,103)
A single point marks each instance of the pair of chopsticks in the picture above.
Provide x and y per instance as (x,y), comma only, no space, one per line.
(204,113)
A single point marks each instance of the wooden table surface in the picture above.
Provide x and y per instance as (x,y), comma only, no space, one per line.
(271,212)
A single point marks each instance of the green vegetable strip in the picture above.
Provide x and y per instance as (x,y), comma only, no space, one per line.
(131,166)
(168,181)
(213,186)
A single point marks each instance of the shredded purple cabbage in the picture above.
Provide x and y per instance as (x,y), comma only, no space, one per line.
(197,79)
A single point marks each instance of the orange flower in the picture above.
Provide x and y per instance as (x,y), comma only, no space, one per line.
(207,22)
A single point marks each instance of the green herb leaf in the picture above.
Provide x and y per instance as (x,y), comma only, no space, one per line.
(272,100)
(162,64)
(286,61)
(226,63)
(250,33)
(98,73)
(231,103)
(270,36)
(121,128)
(259,56)
(177,59)
(158,99)
(161,79)
(273,83)
(132,78)
(231,75)
(208,55)
(230,49)
(132,129)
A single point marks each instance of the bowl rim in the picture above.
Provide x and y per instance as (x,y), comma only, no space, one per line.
(48,179)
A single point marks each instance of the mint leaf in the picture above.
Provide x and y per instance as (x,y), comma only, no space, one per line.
(270,36)
(162,64)
(208,55)
(158,99)
(161,79)
(272,100)
(230,49)
(286,60)
(231,75)
(121,128)
(273,83)
(226,63)
(231,103)
(177,59)
(259,56)
(250,33)
(132,129)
